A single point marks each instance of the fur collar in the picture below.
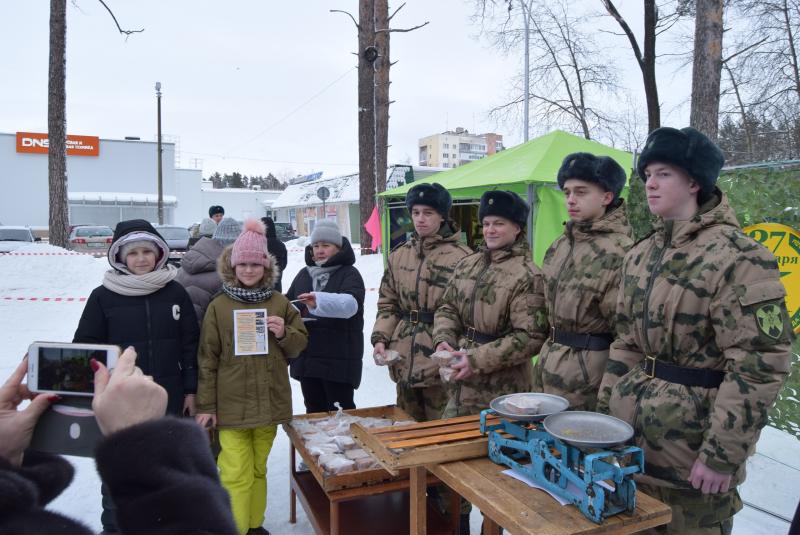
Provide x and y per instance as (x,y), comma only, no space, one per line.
(228,275)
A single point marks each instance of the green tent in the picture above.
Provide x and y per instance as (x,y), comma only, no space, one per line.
(529,169)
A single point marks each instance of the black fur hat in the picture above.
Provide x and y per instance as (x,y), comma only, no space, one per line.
(504,204)
(686,148)
(601,170)
(433,195)
(215,209)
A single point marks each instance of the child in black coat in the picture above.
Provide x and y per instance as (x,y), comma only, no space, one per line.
(140,305)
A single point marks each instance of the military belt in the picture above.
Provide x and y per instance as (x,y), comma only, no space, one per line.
(682,375)
(419,316)
(477,337)
(594,342)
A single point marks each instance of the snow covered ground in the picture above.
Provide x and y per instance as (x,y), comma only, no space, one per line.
(774,473)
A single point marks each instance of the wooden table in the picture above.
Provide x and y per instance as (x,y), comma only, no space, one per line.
(520,509)
(381,507)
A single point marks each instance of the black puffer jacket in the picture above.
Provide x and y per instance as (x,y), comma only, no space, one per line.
(161,475)
(335,346)
(161,326)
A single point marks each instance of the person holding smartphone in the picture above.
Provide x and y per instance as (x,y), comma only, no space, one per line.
(140,305)
(159,470)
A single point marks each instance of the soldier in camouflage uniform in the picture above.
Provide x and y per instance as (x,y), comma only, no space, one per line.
(410,291)
(704,338)
(493,309)
(581,270)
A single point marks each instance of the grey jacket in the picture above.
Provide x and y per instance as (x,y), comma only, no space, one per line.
(198,274)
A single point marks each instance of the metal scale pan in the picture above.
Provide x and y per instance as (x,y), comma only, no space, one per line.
(585,429)
(548,404)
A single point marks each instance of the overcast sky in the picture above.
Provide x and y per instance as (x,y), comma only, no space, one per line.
(256,86)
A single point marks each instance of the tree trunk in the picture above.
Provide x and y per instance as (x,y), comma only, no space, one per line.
(707,68)
(366,120)
(649,65)
(57,124)
(382,66)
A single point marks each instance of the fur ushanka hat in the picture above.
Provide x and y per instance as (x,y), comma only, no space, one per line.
(601,170)
(687,148)
(504,204)
(433,195)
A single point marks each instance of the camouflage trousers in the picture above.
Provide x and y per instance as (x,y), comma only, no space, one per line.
(694,513)
(422,404)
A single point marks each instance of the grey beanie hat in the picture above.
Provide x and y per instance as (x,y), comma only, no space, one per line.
(207,227)
(227,231)
(328,231)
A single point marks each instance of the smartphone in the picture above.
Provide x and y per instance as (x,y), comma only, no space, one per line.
(64,368)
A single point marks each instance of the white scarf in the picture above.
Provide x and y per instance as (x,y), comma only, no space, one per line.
(136,285)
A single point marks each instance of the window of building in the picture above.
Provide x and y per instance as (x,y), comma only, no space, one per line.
(444,155)
(445,164)
(446,146)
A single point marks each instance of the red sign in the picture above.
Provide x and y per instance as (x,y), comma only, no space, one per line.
(36,143)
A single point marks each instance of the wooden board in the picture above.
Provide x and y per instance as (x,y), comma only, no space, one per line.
(349,480)
(436,441)
(521,509)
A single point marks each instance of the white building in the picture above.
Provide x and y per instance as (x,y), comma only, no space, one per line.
(457,147)
(110,180)
(300,206)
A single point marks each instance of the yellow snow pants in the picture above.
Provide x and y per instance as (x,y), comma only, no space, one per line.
(243,471)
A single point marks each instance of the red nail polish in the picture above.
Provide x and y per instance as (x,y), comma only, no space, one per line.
(54,397)
(95,366)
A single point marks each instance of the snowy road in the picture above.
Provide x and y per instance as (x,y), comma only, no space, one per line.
(24,320)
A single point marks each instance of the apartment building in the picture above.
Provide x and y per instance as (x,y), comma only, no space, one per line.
(457,147)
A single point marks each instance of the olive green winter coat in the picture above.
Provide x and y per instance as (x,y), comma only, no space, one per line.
(699,293)
(581,270)
(415,279)
(498,293)
(247,391)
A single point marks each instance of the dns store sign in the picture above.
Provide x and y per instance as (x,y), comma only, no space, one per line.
(35,143)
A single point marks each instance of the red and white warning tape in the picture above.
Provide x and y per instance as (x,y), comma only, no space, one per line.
(50,299)
(78,299)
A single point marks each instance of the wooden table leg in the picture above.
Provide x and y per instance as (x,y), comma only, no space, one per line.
(455,511)
(418,501)
(334,518)
(292,494)
(490,527)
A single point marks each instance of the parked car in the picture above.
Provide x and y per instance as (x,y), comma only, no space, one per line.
(90,239)
(12,238)
(176,237)
(285,231)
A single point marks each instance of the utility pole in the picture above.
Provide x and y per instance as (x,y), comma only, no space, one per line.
(160,181)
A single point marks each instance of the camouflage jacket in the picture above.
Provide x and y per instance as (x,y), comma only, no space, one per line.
(698,293)
(415,279)
(581,271)
(497,293)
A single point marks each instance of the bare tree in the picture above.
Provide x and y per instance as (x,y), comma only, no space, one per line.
(707,68)
(57,125)
(568,77)
(645,57)
(58,219)
(373,103)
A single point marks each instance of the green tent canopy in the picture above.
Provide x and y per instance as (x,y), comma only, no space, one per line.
(529,169)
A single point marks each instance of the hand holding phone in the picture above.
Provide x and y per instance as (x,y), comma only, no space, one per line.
(64,369)
(126,397)
(16,427)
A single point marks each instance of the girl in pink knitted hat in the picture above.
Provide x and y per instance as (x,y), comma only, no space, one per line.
(249,334)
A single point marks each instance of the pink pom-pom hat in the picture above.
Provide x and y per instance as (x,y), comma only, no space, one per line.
(251,245)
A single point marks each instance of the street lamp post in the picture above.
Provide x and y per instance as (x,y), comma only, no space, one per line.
(160,182)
